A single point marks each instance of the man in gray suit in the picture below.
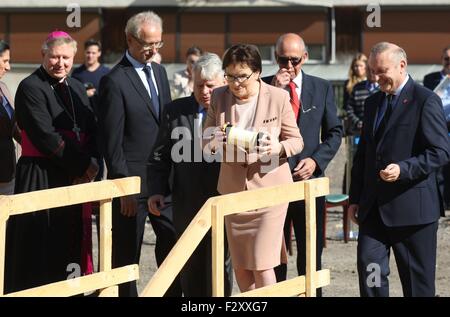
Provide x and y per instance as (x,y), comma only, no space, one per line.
(194,179)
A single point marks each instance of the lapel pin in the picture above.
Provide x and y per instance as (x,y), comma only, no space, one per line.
(405,101)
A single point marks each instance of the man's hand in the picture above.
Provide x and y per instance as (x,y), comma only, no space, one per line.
(92,169)
(304,170)
(89,175)
(391,173)
(281,78)
(353,210)
(269,146)
(128,206)
(90,92)
(154,203)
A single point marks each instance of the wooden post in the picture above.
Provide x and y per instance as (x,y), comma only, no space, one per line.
(217,223)
(349,157)
(105,250)
(4,215)
(310,211)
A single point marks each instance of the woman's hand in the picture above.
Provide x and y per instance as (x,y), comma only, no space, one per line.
(269,146)
(218,140)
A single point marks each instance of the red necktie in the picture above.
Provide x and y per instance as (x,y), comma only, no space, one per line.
(295,101)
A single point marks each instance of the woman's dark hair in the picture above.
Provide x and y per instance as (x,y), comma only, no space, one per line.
(247,54)
(3,46)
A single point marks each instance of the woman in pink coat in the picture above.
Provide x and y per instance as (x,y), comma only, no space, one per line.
(247,103)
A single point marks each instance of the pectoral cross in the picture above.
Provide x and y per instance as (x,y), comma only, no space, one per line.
(76,130)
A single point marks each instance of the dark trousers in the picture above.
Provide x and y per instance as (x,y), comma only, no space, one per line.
(296,214)
(127,238)
(446,175)
(196,275)
(415,254)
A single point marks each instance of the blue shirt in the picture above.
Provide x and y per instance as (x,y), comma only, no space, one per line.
(5,103)
(202,111)
(85,76)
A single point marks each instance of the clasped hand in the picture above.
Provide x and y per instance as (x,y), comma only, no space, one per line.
(89,174)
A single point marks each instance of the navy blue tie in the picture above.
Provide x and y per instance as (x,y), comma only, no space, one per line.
(385,111)
(155,101)
(5,103)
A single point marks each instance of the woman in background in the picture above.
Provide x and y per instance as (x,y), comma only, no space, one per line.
(356,74)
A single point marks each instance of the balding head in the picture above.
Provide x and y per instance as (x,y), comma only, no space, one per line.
(290,41)
(387,63)
(291,53)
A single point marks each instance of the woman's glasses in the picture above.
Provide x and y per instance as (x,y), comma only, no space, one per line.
(240,79)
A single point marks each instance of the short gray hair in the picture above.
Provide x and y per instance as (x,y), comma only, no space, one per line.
(210,66)
(57,41)
(135,23)
(397,52)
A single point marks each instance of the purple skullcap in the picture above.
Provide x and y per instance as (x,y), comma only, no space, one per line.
(55,34)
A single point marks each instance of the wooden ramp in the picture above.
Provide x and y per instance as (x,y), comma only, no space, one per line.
(107,279)
(211,215)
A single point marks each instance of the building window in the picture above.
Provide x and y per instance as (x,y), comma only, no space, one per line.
(267,53)
(316,53)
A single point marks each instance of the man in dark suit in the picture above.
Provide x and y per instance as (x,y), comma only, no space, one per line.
(194,179)
(132,97)
(313,103)
(8,128)
(433,79)
(394,193)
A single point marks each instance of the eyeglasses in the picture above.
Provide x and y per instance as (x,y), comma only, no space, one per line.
(239,79)
(148,46)
(284,60)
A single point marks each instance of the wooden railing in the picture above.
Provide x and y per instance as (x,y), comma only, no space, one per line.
(212,214)
(107,279)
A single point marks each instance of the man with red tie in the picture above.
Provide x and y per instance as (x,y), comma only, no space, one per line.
(313,103)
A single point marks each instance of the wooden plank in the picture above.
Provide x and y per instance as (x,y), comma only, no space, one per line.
(105,250)
(270,196)
(180,253)
(4,214)
(105,235)
(310,214)
(217,222)
(70,195)
(112,291)
(289,288)
(228,204)
(82,284)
